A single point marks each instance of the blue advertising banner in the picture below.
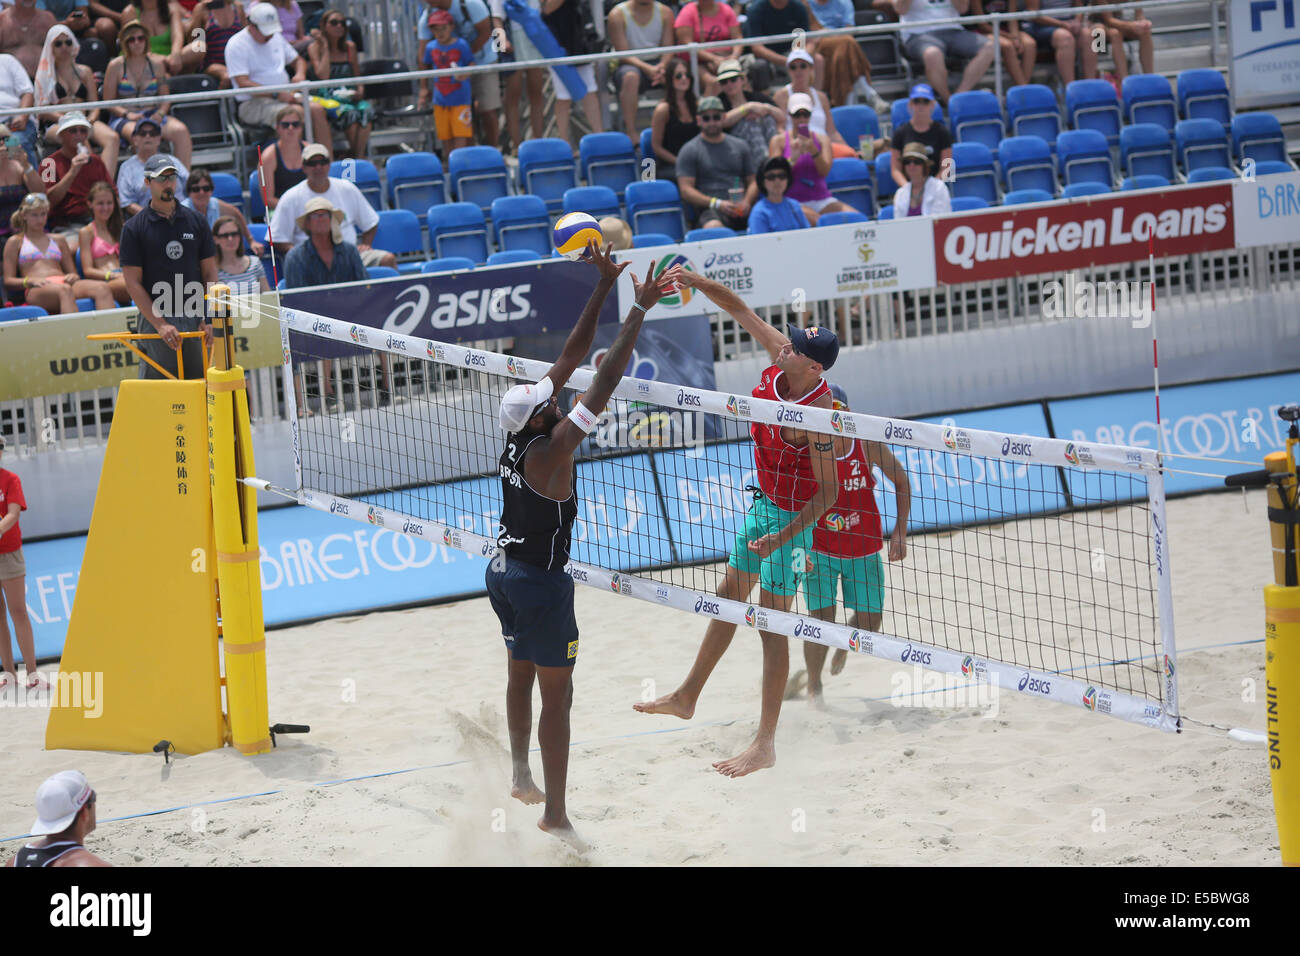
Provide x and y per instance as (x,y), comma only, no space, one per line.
(525,299)
(53,568)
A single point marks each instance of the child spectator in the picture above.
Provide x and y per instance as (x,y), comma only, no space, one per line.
(453,115)
(775,212)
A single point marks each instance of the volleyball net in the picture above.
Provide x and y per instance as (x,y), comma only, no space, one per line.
(1036,563)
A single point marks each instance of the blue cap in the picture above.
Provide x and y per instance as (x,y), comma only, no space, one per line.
(921,91)
(816,343)
(838,393)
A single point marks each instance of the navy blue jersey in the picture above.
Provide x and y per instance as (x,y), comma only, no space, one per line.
(534,528)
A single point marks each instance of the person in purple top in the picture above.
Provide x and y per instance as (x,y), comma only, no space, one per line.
(810,160)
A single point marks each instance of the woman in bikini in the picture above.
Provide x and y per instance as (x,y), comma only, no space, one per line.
(40,266)
(137,72)
(60,81)
(100,240)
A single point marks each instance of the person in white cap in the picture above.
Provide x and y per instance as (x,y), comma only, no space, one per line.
(258,56)
(526,581)
(65,815)
(70,171)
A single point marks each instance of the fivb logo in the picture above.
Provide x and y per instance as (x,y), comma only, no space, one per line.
(74,909)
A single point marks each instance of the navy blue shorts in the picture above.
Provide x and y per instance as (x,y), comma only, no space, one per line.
(535,608)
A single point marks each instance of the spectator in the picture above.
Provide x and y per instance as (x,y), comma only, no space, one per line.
(109,18)
(70,171)
(923,194)
(523,50)
(17,177)
(22,32)
(673,123)
(474,24)
(1119,31)
(165,22)
(1067,39)
(76,16)
(281,167)
(224,19)
(334,56)
(722,167)
(847,74)
(42,266)
(639,25)
(921,128)
(771,17)
(61,80)
(132,190)
(137,72)
(16,90)
(752,117)
(257,56)
(453,95)
(931,47)
(809,156)
(13,583)
(359,219)
(169,262)
(708,21)
(800,64)
(566,22)
(244,274)
(776,212)
(199,197)
(65,815)
(101,241)
(290,15)
(616,232)
(1019,51)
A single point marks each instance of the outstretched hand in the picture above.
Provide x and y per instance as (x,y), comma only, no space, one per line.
(649,293)
(604,262)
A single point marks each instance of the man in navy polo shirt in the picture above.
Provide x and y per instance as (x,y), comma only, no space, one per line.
(169,260)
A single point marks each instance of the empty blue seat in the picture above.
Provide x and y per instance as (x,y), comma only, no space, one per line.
(381,272)
(477,174)
(1076,190)
(447,264)
(850,181)
(226,187)
(1258,136)
(1145,181)
(1019,196)
(258,230)
(976,117)
(1206,174)
(975,175)
(1027,164)
(1147,149)
(457,229)
(596,201)
(1032,110)
(646,239)
(655,206)
(608,159)
(1200,143)
(547,169)
(900,111)
(710,232)
(1092,104)
(1083,156)
(646,144)
(885,185)
(1202,94)
(415,182)
(521,222)
(363,174)
(1148,98)
(840,218)
(968,203)
(399,233)
(886,212)
(22,313)
(1269,166)
(508,256)
(256,207)
(855,122)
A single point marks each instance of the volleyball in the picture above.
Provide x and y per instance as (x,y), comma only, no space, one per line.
(573,232)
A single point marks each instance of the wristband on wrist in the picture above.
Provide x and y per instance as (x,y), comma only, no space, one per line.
(713,202)
(583,418)
(638,305)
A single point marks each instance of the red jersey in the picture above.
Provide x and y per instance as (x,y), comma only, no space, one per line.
(11,490)
(784,470)
(75,202)
(851,528)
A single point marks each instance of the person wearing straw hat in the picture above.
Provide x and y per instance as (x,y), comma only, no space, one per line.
(323,258)
(923,194)
(65,816)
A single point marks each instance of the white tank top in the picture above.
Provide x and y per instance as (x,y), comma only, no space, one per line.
(818,121)
(642,37)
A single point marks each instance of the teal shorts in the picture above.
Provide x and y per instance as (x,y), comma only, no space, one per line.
(864,582)
(777,572)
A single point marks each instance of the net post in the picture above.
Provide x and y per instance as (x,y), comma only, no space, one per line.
(1172,719)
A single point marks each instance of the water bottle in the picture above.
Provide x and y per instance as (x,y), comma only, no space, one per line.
(737,192)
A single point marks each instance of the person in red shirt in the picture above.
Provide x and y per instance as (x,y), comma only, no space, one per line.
(13,582)
(796,475)
(847,542)
(70,171)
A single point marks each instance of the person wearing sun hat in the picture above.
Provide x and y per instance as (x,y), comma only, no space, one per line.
(70,171)
(923,194)
(712,167)
(750,116)
(810,161)
(65,815)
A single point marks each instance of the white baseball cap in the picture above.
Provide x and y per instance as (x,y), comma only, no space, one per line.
(265,18)
(59,800)
(798,53)
(518,403)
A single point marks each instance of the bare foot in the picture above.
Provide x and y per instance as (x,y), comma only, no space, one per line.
(671,704)
(524,790)
(815,699)
(758,756)
(838,659)
(564,831)
(795,685)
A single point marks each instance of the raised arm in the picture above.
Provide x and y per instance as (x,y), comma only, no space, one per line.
(578,344)
(770,338)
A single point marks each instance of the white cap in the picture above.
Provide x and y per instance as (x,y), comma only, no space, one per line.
(59,800)
(518,403)
(265,18)
(799,101)
(798,53)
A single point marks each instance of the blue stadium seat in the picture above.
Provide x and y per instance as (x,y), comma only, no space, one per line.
(655,206)
(596,201)
(22,313)
(850,181)
(1202,94)
(1032,110)
(86,305)
(710,232)
(1258,136)
(477,174)
(447,264)
(399,232)
(975,172)
(607,159)
(547,169)
(900,112)
(1083,156)
(976,117)
(1027,164)
(855,122)
(363,174)
(1145,181)
(521,222)
(1267,167)
(840,218)
(1077,190)
(256,208)
(381,272)
(1146,149)
(226,187)
(1206,174)
(886,212)
(415,182)
(1092,104)
(1200,143)
(1019,196)
(647,239)
(1148,98)
(646,143)
(509,256)
(968,203)
(885,185)
(458,229)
